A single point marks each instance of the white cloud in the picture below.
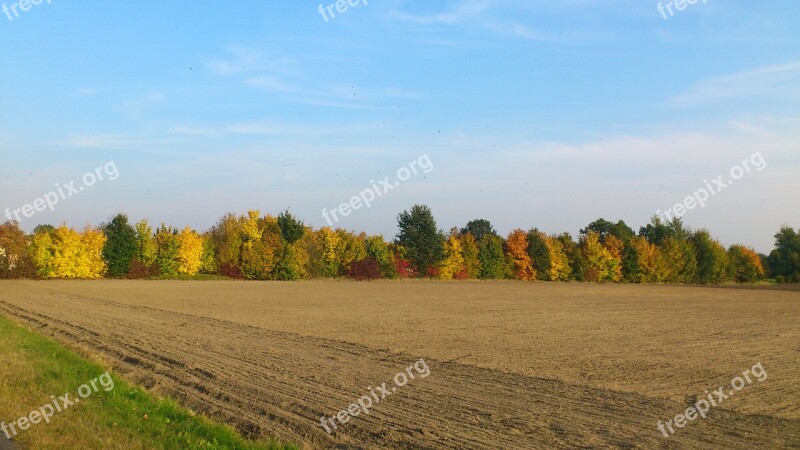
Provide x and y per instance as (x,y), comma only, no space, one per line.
(778,80)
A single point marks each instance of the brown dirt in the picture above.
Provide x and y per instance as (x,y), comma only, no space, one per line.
(513,365)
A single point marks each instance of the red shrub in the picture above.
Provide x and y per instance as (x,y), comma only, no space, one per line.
(404,269)
(140,270)
(229,270)
(366,269)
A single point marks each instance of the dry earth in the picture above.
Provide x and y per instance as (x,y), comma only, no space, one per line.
(513,365)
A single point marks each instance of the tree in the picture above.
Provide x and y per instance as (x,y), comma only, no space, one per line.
(15,260)
(478,228)
(784,261)
(604,228)
(680,260)
(712,259)
(577,262)
(421,239)
(167,246)
(291,228)
(745,264)
(226,237)
(600,263)
(350,249)
(650,262)
(65,253)
(472,262)
(43,228)
(190,252)
(208,264)
(560,269)
(539,254)
(260,246)
(377,249)
(290,266)
(492,258)
(146,248)
(121,245)
(517,252)
(324,251)
(453,265)
(656,231)
(615,248)
(403,266)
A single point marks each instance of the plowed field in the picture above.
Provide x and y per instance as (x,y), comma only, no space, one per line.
(512,365)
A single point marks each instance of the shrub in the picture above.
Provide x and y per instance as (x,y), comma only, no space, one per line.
(231,270)
(365,269)
(140,270)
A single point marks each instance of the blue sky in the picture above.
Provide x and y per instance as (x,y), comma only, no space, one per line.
(534,113)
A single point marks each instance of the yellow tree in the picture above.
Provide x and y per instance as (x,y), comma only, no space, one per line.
(146,248)
(351,248)
(600,264)
(559,261)
(453,264)
(42,251)
(261,246)
(65,253)
(328,243)
(650,261)
(517,252)
(93,264)
(745,264)
(471,261)
(190,252)
(615,248)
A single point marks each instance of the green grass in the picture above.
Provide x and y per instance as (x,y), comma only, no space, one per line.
(35,368)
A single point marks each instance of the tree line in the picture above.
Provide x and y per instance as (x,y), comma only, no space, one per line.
(266,247)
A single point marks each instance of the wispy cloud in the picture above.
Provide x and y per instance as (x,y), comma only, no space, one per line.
(475,13)
(783,80)
(466,10)
(110,142)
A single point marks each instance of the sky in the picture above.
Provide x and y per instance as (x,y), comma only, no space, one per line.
(532,113)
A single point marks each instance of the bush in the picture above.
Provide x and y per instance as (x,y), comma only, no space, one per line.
(140,270)
(232,271)
(365,269)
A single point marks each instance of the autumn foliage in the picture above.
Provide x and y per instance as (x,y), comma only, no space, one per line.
(264,247)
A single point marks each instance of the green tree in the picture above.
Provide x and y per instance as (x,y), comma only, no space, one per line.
(289,267)
(539,254)
(146,248)
(577,262)
(422,240)
(121,245)
(712,259)
(478,228)
(604,228)
(291,228)
(378,249)
(44,228)
(167,246)
(471,255)
(784,260)
(492,258)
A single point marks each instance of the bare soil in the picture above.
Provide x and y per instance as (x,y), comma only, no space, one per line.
(513,365)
